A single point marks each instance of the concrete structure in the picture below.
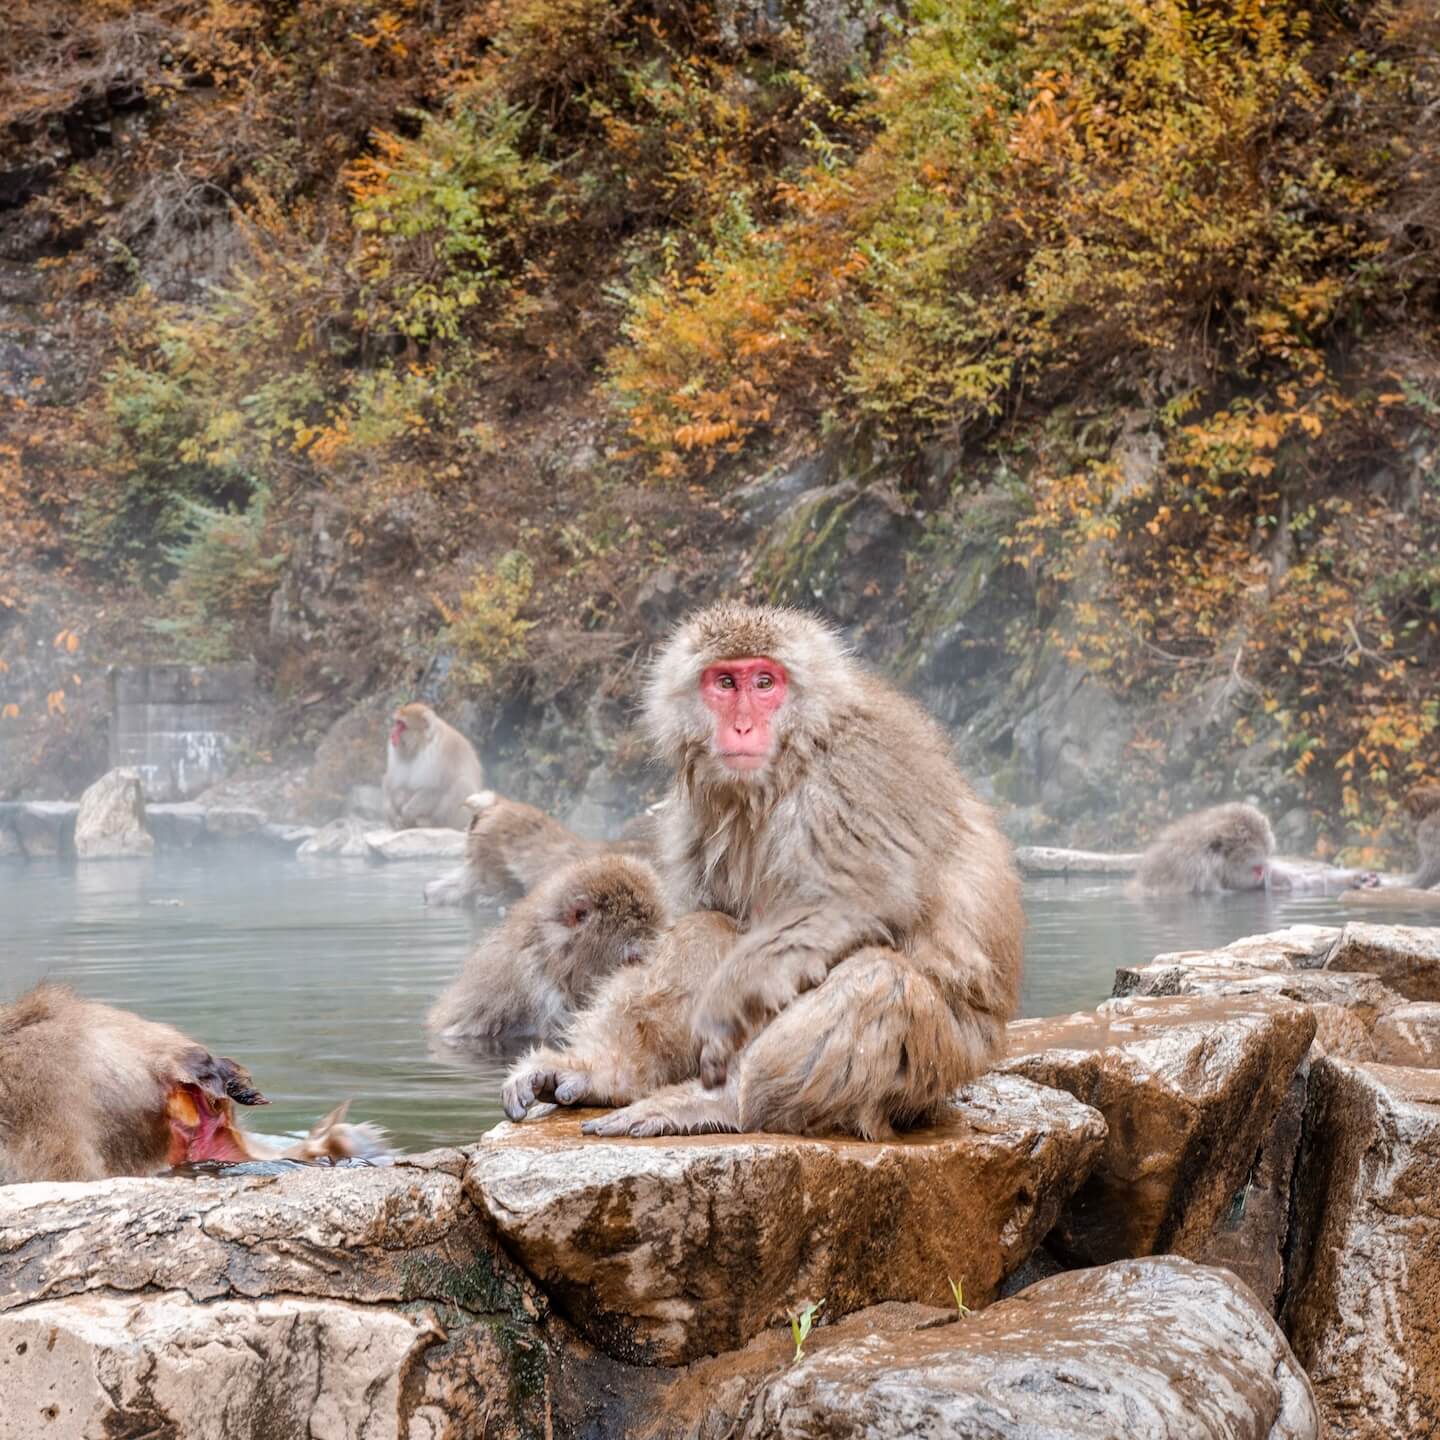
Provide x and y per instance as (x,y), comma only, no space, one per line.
(174,723)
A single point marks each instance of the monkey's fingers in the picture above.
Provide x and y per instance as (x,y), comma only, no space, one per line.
(640,1121)
(715,1061)
(524,1089)
(572,1087)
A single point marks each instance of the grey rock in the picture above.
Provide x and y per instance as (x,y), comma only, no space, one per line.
(110,824)
(46,827)
(177,826)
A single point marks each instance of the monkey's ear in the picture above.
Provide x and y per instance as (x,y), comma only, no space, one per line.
(220,1077)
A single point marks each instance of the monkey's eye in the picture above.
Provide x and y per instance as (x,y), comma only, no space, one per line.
(581,916)
(764,681)
(726,682)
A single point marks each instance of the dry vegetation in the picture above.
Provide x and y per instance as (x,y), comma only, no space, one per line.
(423,240)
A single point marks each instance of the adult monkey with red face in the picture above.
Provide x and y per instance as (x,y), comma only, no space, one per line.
(879,951)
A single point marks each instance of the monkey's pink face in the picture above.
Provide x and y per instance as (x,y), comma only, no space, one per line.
(745,698)
(397,730)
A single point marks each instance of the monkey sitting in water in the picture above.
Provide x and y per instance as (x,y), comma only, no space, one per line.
(88,1092)
(866,956)
(512,847)
(1423,803)
(1227,847)
(527,976)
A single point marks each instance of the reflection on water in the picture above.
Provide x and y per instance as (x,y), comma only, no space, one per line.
(317,974)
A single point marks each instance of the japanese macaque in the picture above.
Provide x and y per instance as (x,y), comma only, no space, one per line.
(512,847)
(1423,803)
(867,952)
(88,1091)
(528,975)
(1227,847)
(430,769)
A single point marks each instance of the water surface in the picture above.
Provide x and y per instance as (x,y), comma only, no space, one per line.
(317,974)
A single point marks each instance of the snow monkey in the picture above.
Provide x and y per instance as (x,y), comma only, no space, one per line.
(875,905)
(88,1091)
(430,768)
(1227,847)
(1423,803)
(528,975)
(512,847)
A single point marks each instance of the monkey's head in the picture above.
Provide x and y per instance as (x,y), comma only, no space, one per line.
(737,685)
(1423,799)
(1243,844)
(200,1107)
(410,728)
(601,914)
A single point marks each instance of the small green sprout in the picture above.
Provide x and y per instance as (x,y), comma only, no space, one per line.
(800,1326)
(957,1289)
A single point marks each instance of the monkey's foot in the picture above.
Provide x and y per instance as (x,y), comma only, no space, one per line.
(680,1110)
(526,1087)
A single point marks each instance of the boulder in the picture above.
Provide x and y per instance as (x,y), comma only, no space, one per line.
(1405,957)
(114,1365)
(233,822)
(1361,1311)
(177,826)
(1189,1088)
(110,824)
(1052,860)
(1408,1035)
(46,828)
(1299,946)
(663,1250)
(342,838)
(1154,1349)
(420,844)
(286,837)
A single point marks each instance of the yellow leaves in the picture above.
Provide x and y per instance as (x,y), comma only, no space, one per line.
(10,711)
(55,703)
(68,641)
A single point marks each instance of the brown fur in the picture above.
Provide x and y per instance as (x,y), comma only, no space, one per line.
(513,847)
(1212,850)
(879,952)
(1423,802)
(430,773)
(84,1089)
(527,976)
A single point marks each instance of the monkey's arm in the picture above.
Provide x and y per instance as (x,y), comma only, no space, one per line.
(782,957)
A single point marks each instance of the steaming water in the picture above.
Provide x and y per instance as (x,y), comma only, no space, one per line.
(317,974)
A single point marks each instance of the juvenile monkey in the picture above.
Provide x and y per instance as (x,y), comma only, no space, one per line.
(430,767)
(876,908)
(528,975)
(88,1091)
(512,847)
(1227,847)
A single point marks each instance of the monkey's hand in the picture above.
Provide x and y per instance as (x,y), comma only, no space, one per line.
(741,1000)
(545,1075)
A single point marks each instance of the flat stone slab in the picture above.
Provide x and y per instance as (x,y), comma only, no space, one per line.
(1405,957)
(230,822)
(1055,860)
(1157,1349)
(177,825)
(1189,1088)
(421,844)
(1363,1312)
(115,1365)
(664,1250)
(340,839)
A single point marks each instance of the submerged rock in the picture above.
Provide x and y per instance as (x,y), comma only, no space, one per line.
(1361,1311)
(663,1250)
(344,839)
(110,824)
(1153,1349)
(1053,860)
(1189,1088)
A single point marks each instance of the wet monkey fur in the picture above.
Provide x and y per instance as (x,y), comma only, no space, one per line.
(528,975)
(875,905)
(88,1091)
(1227,847)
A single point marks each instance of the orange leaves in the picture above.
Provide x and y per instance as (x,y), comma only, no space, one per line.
(10,711)
(68,641)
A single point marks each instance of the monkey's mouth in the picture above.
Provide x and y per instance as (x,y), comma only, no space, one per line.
(202,1127)
(744,760)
